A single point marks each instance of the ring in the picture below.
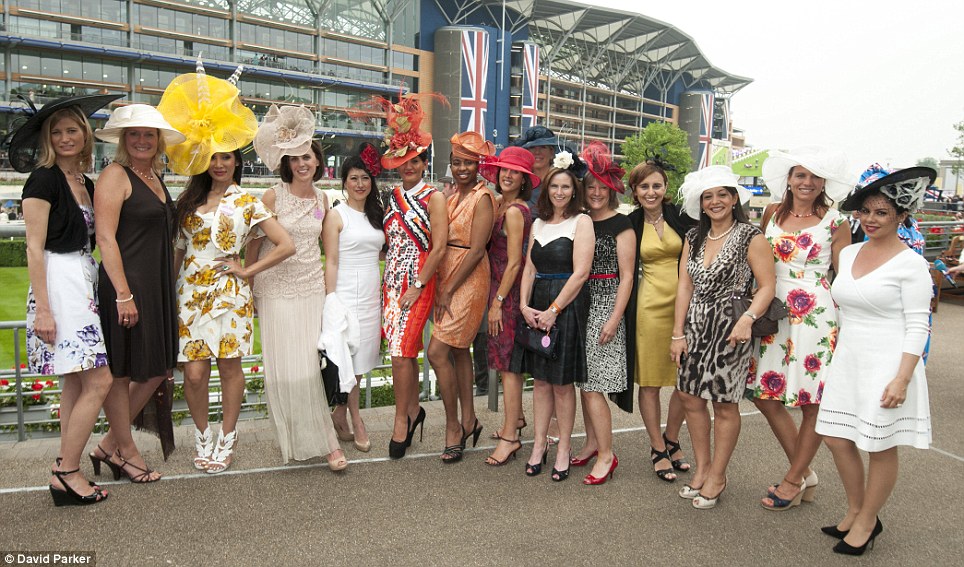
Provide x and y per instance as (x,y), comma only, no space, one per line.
(898,405)
(225,268)
(742,342)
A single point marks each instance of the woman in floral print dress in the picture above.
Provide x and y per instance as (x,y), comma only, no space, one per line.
(790,367)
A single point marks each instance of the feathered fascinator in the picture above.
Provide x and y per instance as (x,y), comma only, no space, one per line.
(285,131)
(371,158)
(905,187)
(403,135)
(601,166)
(209,112)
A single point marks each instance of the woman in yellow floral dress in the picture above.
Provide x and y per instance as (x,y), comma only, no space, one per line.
(215,219)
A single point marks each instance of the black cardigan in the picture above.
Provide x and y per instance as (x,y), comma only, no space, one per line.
(680,224)
(66,228)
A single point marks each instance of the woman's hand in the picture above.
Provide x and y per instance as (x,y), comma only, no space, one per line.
(741,332)
(45,327)
(230,265)
(127,315)
(529,314)
(546,319)
(894,394)
(443,299)
(678,350)
(410,297)
(495,319)
(608,331)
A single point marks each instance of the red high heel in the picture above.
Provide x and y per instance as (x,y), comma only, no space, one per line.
(577,462)
(592,480)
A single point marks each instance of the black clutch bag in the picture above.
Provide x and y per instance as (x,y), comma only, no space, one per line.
(329,375)
(537,341)
(766,324)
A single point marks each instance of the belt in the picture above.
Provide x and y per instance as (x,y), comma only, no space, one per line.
(541,276)
(458,246)
(603,276)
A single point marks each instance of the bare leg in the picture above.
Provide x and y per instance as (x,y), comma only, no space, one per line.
(591,444)
(698,422)
(117,407)
(726,432)
(564,399)
(650,411)
(438,355)
(512,402)
(87,391)
(881,478)
(465,380)
(232,392)
(781,423)
(542,410)
(354,407)
(405,384)
(850,467)
(197,378)
(807,443)
(602,420)
(68,397)
(138,394)
(675,417)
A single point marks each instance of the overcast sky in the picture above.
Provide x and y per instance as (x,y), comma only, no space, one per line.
(882,81)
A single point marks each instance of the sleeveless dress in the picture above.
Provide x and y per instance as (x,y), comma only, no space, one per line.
(290,297)
(458,328)
(500,346)
(712,370)
(606,363)
(359,282)
(791,365)
(656,306)
(215,310)
(551,256)
(883,314)
(408,232)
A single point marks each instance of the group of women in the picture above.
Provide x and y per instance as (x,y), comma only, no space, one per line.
(572,292)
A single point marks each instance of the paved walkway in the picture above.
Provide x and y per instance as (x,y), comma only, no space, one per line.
(418,511)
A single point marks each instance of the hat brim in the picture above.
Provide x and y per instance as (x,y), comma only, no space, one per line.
(538,142)
(857,197)
(776,172)
(113,135)
(24,145)
(490,171)
(691,207)
(393,161)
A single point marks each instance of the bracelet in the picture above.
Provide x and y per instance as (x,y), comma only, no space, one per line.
(554,308)
(750,315)
(678,338)
(131,298)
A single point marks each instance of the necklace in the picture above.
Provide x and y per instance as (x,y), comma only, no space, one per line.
(810,214)
(654,222)
(142,174)
(728,231)
(78,177)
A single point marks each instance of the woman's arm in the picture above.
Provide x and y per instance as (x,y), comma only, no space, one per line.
(583,248)
(838,241)
(626,260)
(760,258)
(331,229)
(915,297)
(439,217)
(283,248)
(481,231)
(36,215)
(514,225)
(113,188)
(525,288)
(253,249)
(684,293)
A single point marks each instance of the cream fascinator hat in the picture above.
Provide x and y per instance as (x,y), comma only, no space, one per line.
(137,116)
(822,162)
(285,131)
(709,178)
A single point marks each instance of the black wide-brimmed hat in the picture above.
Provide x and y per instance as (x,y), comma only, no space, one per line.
(23,144)
(906,187)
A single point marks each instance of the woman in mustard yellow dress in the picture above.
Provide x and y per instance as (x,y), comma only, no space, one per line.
(659,240)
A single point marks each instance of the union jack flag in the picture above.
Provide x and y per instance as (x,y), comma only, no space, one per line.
(475,72)
(530,85)
(706,129)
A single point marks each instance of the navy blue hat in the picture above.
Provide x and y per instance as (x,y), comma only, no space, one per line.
(536,136)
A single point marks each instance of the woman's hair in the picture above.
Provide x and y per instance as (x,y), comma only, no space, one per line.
(196,191)
(48,155)
(122,157)
(641,172)
(374,211)
(613,196)
(703,227)
(287,175)
(524,192)
(876,192)
(820,205)
(575,206)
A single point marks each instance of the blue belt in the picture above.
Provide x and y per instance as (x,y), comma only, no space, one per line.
(541,276)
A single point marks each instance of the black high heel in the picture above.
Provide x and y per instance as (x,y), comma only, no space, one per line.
(533,470)
(419,420)
(396,449)
(475,433)
(845,548)
(95,462)
(143,476)
(666,475)
(68,496)
(559,476)
(673,447)
(453,453)
(834,531)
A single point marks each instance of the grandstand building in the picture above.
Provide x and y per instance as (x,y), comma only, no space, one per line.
(504,65)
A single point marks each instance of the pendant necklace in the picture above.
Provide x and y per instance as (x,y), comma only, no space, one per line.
(142,174)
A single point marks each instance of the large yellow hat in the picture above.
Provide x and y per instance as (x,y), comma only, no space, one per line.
(209,113)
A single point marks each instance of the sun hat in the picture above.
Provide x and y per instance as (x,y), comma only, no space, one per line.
(906,187)
(709,177)
(471,146)
(601,166)
(285,131)
(513,157)
(209,112)
(23,144)
(137,116)
(829,164)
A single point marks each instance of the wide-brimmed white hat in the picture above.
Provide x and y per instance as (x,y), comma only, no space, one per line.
(829,164)
(709,177)
(137,116)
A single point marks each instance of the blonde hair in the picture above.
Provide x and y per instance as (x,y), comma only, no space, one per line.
(48,155)
(122,157)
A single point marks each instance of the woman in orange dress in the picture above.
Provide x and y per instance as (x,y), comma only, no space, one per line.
(463,291)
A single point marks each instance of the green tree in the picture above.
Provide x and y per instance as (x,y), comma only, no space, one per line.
(957,152)
(927,162)
(666,141)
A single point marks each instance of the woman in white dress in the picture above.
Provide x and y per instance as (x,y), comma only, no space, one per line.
(875,397)
(353,241)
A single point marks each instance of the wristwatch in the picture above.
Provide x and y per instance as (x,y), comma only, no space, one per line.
(418,284)
(499,298)
(554,309)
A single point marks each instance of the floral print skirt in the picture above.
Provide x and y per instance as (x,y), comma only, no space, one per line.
(71,292)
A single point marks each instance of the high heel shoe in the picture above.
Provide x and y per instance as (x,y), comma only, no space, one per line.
(67,496)
(778,504)
(592,480)
(143,477)
(666,475)
(337,464)
(419,420)
(533,470)
(343,434)
(811,486)
(558,475)
(223,449)
(363,447)
(688,492)
(498,434)
(703,503)
(577,462)
(673,447)
(493,462)
(95,462)
(834,531)
(846,549)
(396,449)
(203,448)
(475,433)
(453,453)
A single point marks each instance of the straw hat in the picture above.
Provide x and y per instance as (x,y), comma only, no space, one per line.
(906,187)
(709,177)
(285,131)
(822,162)
(514,158)
(137,116)
(601,166)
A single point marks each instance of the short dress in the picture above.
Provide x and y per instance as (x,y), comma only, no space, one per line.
(71,295)
(500,346)
(656,306)
(883,314)
(408,232)
(606,363)
(551,255)
(458,328)
(712,370)
(791,366)
(359,282)
(215,310)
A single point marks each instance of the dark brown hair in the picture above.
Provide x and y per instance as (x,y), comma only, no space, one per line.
(287,175)
(575,206)
(641,172)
